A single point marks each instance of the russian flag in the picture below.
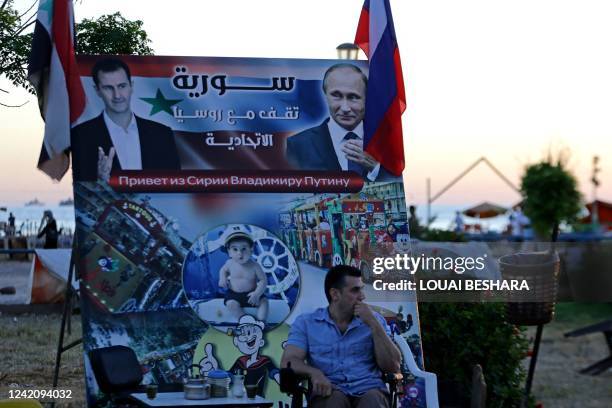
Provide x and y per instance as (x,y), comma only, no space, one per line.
(52,71)
(385,97)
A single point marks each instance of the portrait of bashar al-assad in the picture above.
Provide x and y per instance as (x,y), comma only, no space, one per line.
(117,139)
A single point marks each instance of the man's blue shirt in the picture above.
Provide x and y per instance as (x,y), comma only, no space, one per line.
(347,360)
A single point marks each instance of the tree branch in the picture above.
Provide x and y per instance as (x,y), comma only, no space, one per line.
(13,106)
(27,11)
(24,27)
(10,106)
(3,5)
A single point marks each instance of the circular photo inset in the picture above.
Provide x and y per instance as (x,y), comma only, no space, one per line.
(236,270)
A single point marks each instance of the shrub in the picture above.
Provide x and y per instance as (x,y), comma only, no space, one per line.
(442,235)
(456,336)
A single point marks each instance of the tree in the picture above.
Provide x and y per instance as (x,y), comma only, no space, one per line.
(112,34)
(109,34)
(14,44)
(550,196)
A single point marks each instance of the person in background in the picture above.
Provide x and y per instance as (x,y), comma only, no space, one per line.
(413,223)
(390,234)
(458,222)
(48,228)
(521,225)
(515,221)
(324,225)
(11,224)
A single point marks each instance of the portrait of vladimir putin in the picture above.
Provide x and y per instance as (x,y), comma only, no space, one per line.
(337,143)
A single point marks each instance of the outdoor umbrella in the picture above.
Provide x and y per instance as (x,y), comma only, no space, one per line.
(485,210)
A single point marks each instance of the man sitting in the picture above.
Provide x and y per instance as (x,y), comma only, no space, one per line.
(345,346)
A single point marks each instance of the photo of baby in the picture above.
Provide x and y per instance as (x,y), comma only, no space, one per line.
(235,270)
(244,280)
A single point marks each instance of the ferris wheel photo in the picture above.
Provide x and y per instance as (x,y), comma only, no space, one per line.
(237,269)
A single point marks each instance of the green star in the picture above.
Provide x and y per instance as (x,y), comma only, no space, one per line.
(160,103)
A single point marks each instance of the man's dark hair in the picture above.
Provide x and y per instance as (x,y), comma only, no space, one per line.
(335,278)
(341,66)
(109,65)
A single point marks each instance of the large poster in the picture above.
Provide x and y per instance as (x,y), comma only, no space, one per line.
(211,197)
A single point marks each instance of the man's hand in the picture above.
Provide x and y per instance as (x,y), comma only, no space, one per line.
(387,355)
(364,312)
(296,356)
(105,163)
(353,151)
(320,384)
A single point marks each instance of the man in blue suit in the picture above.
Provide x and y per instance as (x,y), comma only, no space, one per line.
(337,143)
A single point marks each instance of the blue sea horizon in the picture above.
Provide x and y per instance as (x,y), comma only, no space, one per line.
(28,218)
(444,215)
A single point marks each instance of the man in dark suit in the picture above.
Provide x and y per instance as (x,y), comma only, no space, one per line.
(337,143)
(117,139)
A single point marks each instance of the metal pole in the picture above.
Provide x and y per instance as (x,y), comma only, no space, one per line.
(532,365)
(428,202)
(67,304)
(470,168)
(456,179)
(595,182)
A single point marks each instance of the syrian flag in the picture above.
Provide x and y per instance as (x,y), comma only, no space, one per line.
(52,71)
(385,97)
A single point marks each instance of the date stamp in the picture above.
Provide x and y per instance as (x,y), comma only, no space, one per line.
(40,394)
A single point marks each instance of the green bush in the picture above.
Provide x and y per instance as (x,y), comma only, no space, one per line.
(456,336)
(442,236)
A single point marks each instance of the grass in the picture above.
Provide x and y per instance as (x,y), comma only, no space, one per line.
(27,356)
(29,343)
(582,314)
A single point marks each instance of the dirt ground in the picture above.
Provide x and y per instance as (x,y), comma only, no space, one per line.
(557,382)
(28,345)
(16,274)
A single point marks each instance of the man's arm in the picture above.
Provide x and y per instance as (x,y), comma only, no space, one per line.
(43,231)
(296,356)
(295,352)
(387,355)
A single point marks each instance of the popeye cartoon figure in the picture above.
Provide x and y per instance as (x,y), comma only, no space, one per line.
(249,339)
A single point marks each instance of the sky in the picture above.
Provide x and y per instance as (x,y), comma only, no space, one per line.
(484,78)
